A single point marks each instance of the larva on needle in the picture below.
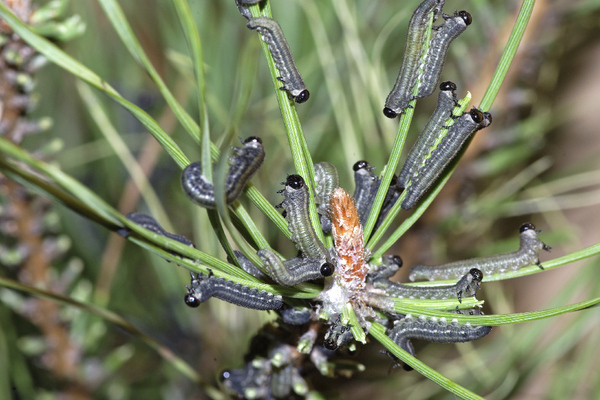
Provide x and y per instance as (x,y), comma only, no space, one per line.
(528,254)
(439,158)
(282,56)
(203,288)
(438,49)
(242,165)
(427,137)
(402,92)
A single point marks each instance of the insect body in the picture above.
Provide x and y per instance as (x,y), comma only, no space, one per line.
(296,203)
(439,157)
(203,288)
(402,92)
(243,165)
(295,270)
(326,179)
(147,222)
(438,48)
(337,335)
(243,5)
(466,286)
(528,254)
(433,330)
(366,185)
(282,56)
(427,138)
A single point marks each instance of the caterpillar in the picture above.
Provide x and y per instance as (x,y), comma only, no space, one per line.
(366,185)
(439,157)
(390,264)
(203,288)
(337,335)
(243,5)
(438,49)
(243,165)
(433,330)
(427,137)
(295,203)
(147,222)
(468,285)
(326,179)
(295,270)
(528,254)
(248,265)
(402,92)
(282,56)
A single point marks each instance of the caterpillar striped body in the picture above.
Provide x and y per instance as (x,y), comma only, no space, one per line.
(433,330)
(390,264)
(468,285)
(295,316)
(326,179)
(147,222)
(295,203)
(203,288)
(439,157)
(427,137)
(243,165)
(528,254)
(282,56)
(366,185)
(438,49)
(295,270)
(402,92)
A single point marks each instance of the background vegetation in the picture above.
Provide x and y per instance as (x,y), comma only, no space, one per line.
(537,162)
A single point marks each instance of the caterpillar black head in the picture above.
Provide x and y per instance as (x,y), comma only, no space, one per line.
(526,227)
(448,86)
(295,182)
(466,17)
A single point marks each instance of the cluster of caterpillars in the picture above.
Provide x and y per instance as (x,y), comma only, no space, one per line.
(349,276)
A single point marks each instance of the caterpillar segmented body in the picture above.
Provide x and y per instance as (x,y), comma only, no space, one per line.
(295,270)
(243,165)
(390,264)
(438,49)
(468,285)
(402,92)
(147,222)
(528,254)
(326,179)
(282,56)
(242,6)
(433,330)
(249,266)
(439,158)
(427,137)
(366,185)
(295,203)
(203,288)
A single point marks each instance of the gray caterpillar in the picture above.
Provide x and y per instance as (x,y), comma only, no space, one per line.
(243,165)
(528,254)
(438,49)
(282,56)
(147,222)
(203,288)
(468,285)
(402,92)
(326,179)
(458,134)
(295,270)
(443,111)
(433,330)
